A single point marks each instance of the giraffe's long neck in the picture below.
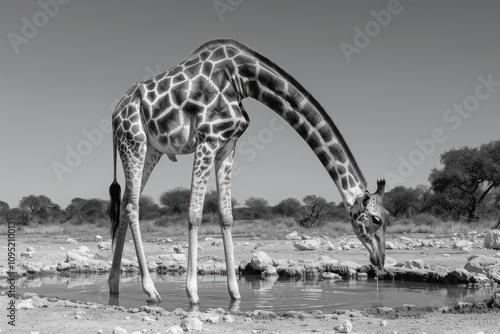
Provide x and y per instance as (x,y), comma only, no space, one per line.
(259,78)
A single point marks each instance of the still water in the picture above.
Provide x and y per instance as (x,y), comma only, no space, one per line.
(265,294)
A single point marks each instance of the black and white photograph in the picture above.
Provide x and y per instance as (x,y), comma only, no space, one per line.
(250,166)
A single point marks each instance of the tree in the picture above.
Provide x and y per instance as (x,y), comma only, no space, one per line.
(257,206)
(4,206)
(212,202)
(399,200)
(288,207)
(176,200)
(148,209)
(17,215)
(474,172)
(314,210)
(37,207)
(86,210)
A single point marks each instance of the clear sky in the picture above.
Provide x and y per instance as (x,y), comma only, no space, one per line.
(399,81)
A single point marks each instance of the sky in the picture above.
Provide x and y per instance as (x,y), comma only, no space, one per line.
(404,81)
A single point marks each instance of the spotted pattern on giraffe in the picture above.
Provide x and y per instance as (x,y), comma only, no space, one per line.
(195,107)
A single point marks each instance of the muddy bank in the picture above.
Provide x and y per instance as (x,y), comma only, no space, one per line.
(66,316)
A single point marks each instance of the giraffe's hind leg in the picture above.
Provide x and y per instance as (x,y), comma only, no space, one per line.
(138,161)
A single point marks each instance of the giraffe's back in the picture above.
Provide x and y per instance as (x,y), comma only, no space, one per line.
(195,100)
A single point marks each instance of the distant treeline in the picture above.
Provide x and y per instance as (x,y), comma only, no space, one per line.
(465,188)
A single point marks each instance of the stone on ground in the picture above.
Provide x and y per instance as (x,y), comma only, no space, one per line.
(293,236)
(344,327)
(104,245)
(333,276)
(416,264)
(71,241)
(25,304)
(119,330)
(462,245)
(310,244)
(492,239)
(175,330)
(192,325)
(261,261)
(486,265)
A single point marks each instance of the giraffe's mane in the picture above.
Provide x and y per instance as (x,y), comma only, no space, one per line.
(263,59)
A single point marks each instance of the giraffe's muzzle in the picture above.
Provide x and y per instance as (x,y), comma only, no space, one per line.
(377,255)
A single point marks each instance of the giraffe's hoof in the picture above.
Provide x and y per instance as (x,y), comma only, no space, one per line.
(156,300)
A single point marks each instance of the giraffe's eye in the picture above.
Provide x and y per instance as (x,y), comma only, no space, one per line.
(376,221)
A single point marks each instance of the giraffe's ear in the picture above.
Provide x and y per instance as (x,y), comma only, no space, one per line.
(364,200)
(380,187)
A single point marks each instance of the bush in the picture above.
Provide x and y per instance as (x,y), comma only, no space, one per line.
(403,222)
(425,219)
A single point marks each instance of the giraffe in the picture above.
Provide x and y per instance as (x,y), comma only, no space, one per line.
(195,107)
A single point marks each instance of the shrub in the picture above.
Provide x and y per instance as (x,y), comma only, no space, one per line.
(425,219)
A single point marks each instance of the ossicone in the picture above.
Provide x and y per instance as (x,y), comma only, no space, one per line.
(380,187)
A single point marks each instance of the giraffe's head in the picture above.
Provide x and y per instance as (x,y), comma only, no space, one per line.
(369,220)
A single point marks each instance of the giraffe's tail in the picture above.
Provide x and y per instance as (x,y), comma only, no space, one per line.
(114,205)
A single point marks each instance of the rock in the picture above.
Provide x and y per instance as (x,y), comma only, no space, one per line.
(104,245)
(30,249)
(62,248)
(389,261)
(27,255)
(329,246)
(261,261)
(25,304)
(492,239)
(406,239)
(310,244)
(416,264)
(98,237)
(487,265)
(344,327)
(228,318)
(446,255)
(333,276)
(211,319)
(390,245)
(83,264)
(177,249)
(462,245)
(118,330)
(217,242)
(460,274)
(30,267)
(293,236)
(175,330)
(426,243)
(71,241)
(83,249)
(191,325)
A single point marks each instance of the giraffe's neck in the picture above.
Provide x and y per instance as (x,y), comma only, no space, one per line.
(259,78)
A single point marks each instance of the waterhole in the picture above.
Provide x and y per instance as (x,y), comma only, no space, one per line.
(274,294)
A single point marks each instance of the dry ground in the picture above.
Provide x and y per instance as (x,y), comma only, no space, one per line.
(60,319)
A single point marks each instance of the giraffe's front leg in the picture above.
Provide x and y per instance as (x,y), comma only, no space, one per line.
(223,166)
(203,161)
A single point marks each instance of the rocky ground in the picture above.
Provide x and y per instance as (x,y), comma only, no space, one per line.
(450,259)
